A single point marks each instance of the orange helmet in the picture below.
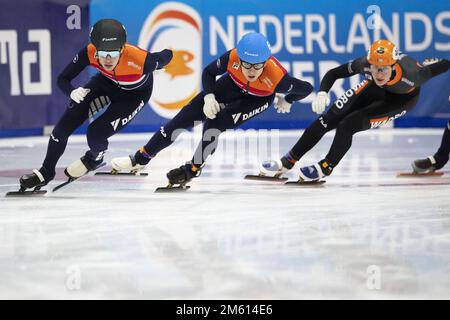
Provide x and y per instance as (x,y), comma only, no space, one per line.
(383,53)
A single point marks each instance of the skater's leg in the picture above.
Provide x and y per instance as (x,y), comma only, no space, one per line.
(185,119)
(118,115)
(438,160)
(347,127)
(372,116)
(72,118)
(353,99)
(120,112)
(442,155)
(212,129)
(313,134)
(232,116)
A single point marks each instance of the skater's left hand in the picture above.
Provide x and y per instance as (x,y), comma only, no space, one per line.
(281,104)
(211,107)
(79,94)
(429,61)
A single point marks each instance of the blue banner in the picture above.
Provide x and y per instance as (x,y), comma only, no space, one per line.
(308,37)
(38,38)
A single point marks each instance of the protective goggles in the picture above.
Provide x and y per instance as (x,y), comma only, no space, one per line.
(256,66)
(112,54)
(377,69)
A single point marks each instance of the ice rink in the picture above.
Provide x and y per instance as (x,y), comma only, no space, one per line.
(364,234)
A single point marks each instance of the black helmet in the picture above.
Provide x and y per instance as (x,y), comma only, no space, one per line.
(108,35)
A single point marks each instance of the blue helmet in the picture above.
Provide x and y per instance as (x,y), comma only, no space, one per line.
(253,48)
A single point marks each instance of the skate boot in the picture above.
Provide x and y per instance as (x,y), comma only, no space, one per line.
(128,165)
(83,165)
(35,180)
(275,168)
(424,165)
(183,174)
(315,172)
(180,176)
(272,170)
(131,164)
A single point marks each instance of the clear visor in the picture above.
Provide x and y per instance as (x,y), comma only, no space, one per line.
(111,54)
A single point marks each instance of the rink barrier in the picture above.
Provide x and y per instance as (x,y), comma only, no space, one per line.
(422,122)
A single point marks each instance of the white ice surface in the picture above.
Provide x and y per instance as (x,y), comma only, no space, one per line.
(229,238)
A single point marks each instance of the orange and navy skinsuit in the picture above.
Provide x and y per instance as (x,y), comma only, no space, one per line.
(365,106)
(133,72)
(239,99)
(122,92)
(234,86)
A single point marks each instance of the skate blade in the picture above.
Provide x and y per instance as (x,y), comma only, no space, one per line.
(426,174)
(63,184)
(264,178)
(111,173)
(172,189)
(72,179)
(25,193)
(306,183)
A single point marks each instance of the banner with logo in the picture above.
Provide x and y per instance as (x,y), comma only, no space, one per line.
(38,38)
(308,37)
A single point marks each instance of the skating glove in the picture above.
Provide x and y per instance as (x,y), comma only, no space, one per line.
(321,102)
(281,105)
(429,61)
(78,94)
(211,106)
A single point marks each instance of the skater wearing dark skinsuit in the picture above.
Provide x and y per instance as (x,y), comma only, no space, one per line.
(251,77)
(390,90)
(123,86)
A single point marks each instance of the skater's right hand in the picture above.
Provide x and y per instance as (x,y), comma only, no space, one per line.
(321,102)
(211,106)
(78,94)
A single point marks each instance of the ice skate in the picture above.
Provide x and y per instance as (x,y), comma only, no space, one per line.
(34,180)
(272,170)
(179,177)
(126,166)
(80,168)
(313,174)
(426,165)
(421,168)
